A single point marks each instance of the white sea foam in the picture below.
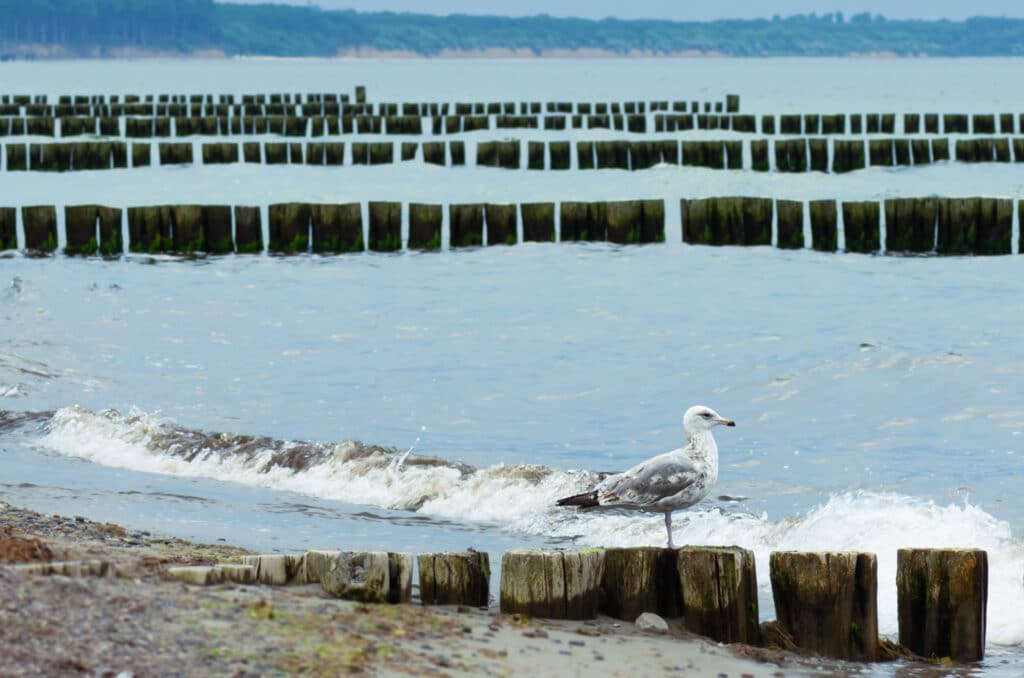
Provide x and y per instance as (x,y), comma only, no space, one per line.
(521,498)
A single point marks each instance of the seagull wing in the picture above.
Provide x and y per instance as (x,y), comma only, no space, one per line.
(649,482)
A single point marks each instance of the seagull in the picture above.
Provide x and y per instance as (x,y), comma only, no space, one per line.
(666,483)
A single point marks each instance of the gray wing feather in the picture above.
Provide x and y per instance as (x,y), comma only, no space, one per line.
(649,482)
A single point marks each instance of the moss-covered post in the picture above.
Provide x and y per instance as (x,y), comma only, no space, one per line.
(288,227)
(385,226)
(625,221)
(8,228)
(920,151)
(40,224)
(535,155)
(508,153)
(757,221)
(573,221)
(501,224)
(995,226)
(551,584)
(910,224)
(824,228)
(149,229)
(958,225)
(457,152)
(466,225)
(80,230)
(217,229)
(638,580)
(325,222)
(350,227)
(248,230)
(111,241)
(790,224)
(862,227)
(940,150)
(433,153)
(759,155)
(425,226)
(719,589)
(584,155)
(538,221)
(141,155)
(187,233)
(942,597)
(455,578)
(652,228)
(828,602)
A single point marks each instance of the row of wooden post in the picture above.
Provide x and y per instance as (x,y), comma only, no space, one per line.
(791,155)
(825,602)
(326,228)
(196,106)
(949,226)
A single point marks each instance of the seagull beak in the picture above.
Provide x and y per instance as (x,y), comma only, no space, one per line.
(725,422)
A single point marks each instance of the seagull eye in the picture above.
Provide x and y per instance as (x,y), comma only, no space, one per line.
(706,415)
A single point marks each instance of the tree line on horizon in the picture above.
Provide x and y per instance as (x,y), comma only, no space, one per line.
(94,26)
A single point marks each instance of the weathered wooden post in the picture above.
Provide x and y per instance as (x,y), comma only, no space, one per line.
(187,233)
(942,597)
(140,155)
(433,153)
(585,155)
(624,221)
(466,225)
(573,221)
(425,226)
(508,153)
(278,569)
(910,224)
(385,226)
(756,215)
(638,580)
(767,124)
(288,227)
(559,155)
(8,228)
(80,229)
(669,151)
(325,222)
(759,155)
(111,240)
(216,221)
(535,155)
(824,229)
(501,224)
(828,602)
(551,584)
(40,225)
(365,577)
(734,155)
(719,589)
(149,229)
(457,151)
(790,224)
(538,221)
(455,578)
(819,154)
(920,150)
(861,226)
(995,226)
(653,227)
(17,157)
(248,230)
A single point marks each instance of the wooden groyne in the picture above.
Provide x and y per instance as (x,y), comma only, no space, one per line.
(825,602)
(913,226)
(791,155)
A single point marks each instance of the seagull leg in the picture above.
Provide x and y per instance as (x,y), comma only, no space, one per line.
(668,528)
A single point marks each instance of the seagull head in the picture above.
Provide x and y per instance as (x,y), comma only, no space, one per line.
(700,418)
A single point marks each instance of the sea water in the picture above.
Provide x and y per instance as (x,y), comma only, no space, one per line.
(878,399)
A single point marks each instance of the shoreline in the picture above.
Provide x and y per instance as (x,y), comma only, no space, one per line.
(134,619)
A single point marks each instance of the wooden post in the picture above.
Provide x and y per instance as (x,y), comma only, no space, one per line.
(149,229)
(357,576)
(790,224)
(433,153)
(551,584)
(538,221)
(8,228)
(457,150)
(40,224)
(111,241)
(585,155)
(638,580)
(942,597)
(824,229)
(910,224)
(466,225)
(653,227)
(140,155)
(759,155)
(828,602)
(719,588)
(385,226)
(535,155)
(277,569)
(425,226)
(861,226)
(80,229)
(455,578)
(559,153)
(501,224)
(288,227)
(187,234)
(248,230)
(625,221)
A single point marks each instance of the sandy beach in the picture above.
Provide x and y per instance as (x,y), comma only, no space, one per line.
(132,619)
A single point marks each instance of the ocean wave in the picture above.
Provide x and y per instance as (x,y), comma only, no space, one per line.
(521,498)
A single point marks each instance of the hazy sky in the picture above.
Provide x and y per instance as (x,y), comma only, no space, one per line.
(682,9)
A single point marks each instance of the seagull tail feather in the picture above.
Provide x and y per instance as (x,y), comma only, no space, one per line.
(585,500)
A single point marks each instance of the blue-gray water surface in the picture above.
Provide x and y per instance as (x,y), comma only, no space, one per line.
(878,399)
